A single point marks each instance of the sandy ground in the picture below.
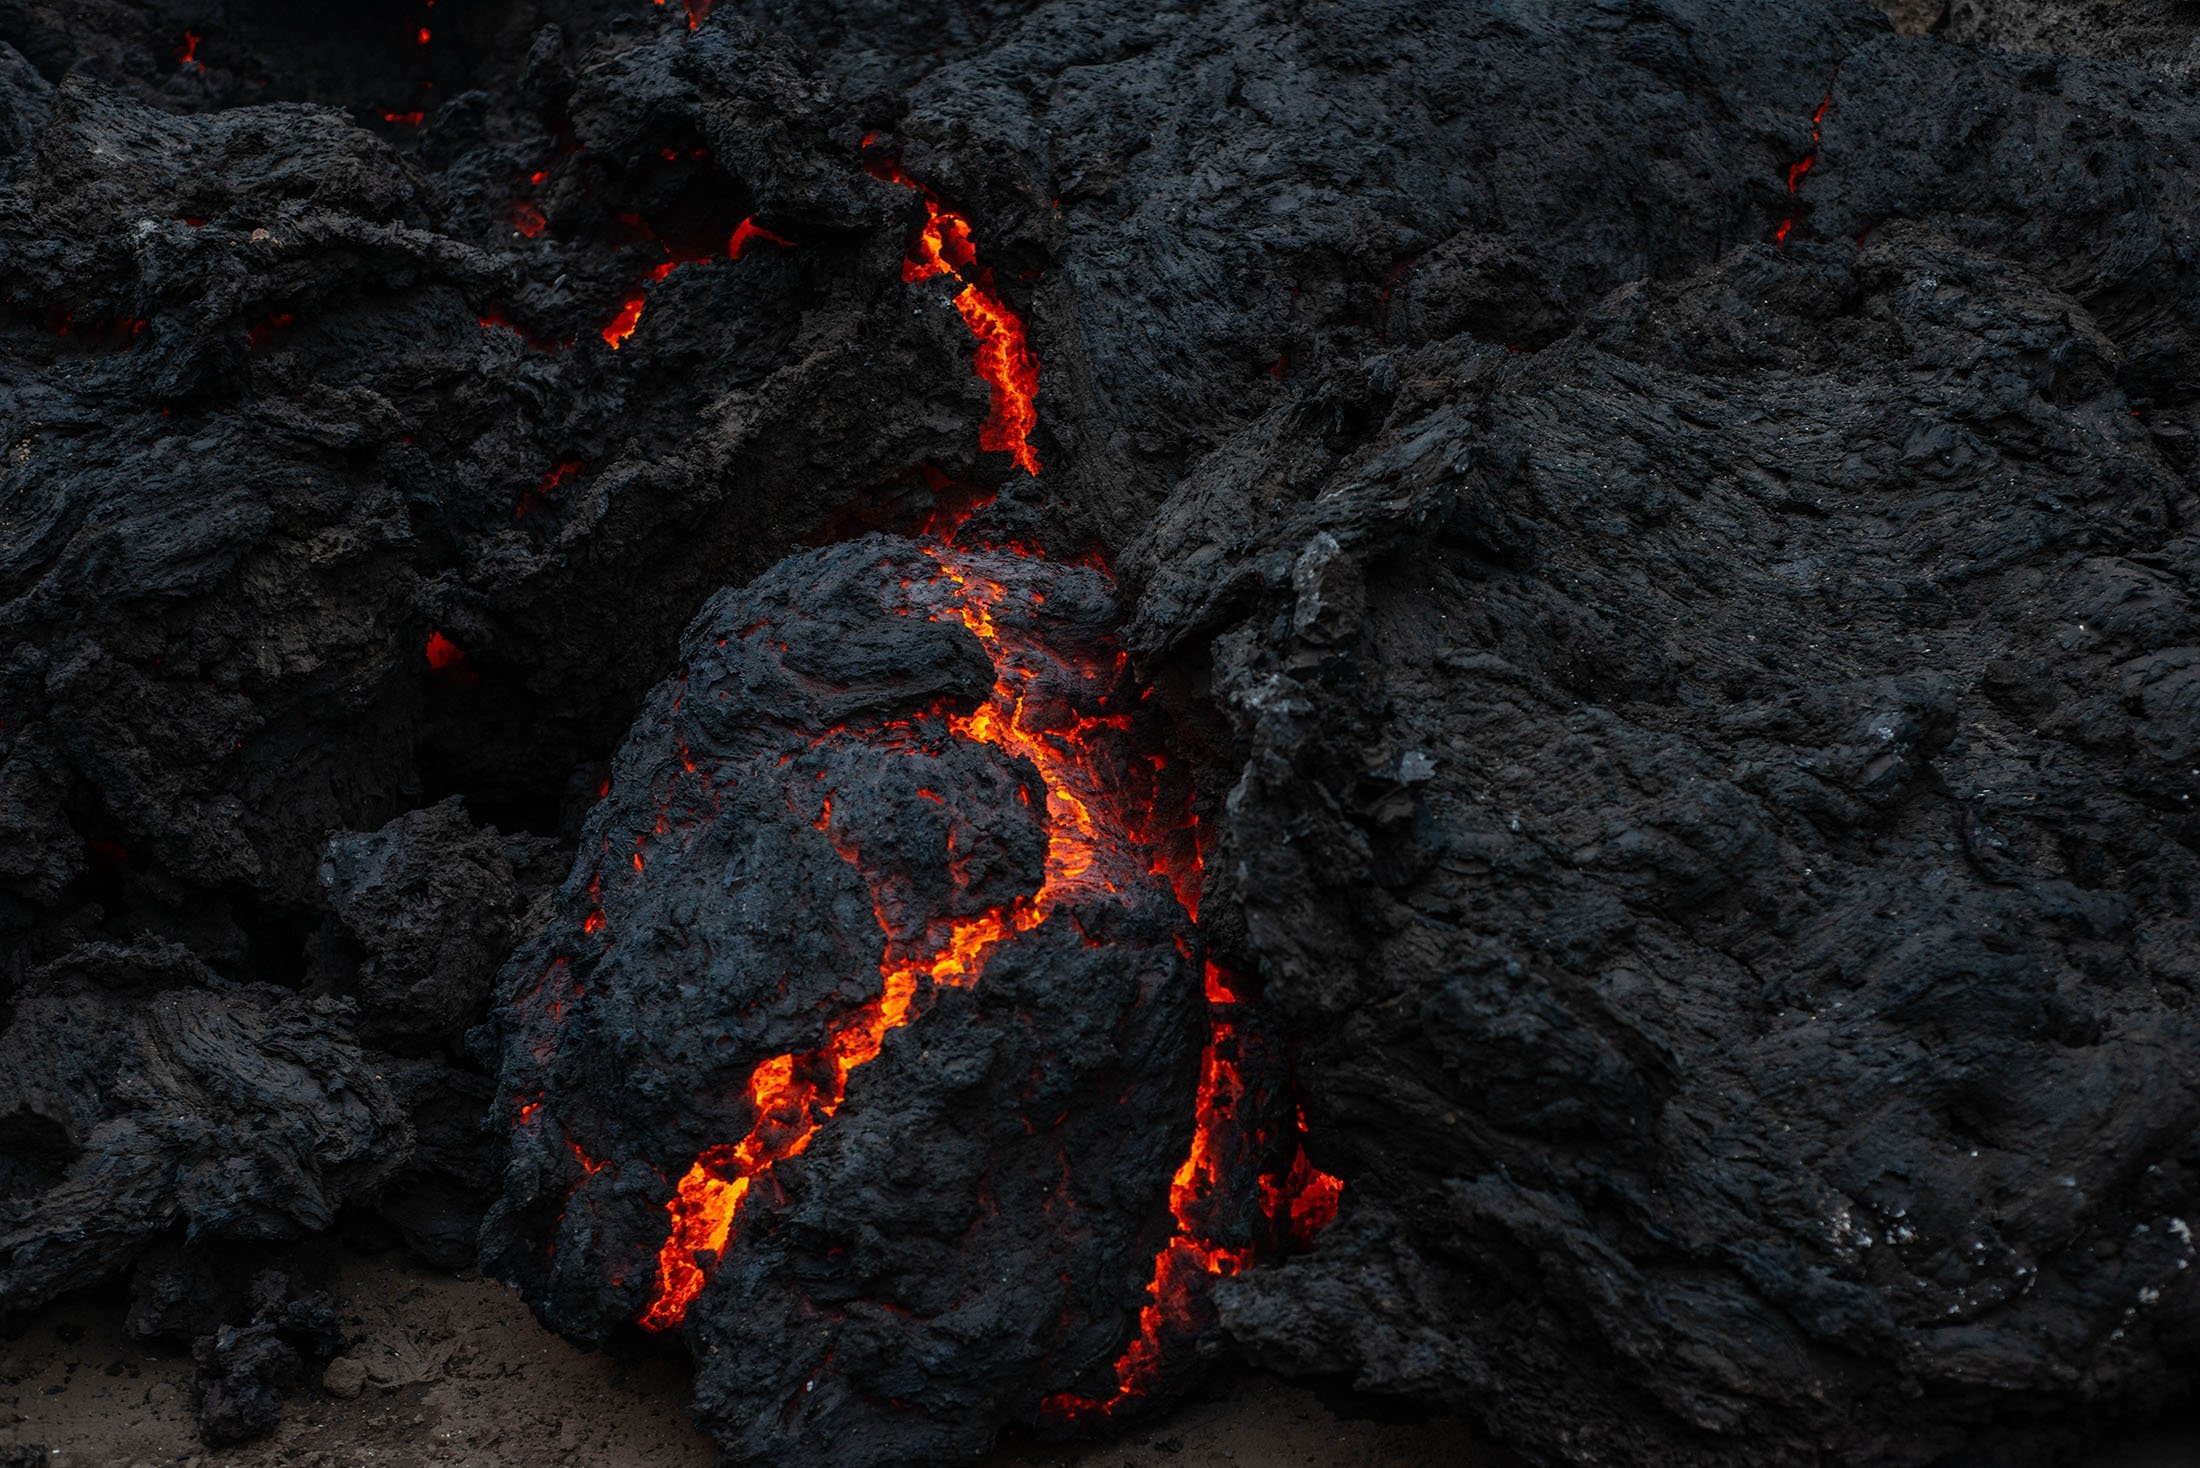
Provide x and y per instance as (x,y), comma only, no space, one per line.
(455,1371)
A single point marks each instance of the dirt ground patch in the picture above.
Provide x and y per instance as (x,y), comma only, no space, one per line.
(453,1370)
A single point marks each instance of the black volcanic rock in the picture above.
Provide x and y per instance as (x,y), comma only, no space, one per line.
(242,1372)
(426,910)
(1659,528)
(142,1092)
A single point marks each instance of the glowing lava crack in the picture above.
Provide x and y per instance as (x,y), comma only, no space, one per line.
(1004,358)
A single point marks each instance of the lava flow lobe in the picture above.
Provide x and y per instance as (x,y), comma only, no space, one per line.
(869,1046)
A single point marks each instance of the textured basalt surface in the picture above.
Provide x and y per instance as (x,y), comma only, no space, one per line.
(1654,537)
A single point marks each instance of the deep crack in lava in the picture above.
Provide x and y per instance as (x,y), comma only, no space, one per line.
(1801,167)
(1004,359)
(1299,1203)
(629,315)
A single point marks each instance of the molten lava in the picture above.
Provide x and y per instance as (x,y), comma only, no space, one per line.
(1093,842)
(698,11)
(448,661)
(747,232)
(1004,360)
(1298,1204)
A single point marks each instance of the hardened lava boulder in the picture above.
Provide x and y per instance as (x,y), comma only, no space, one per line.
(862,1045)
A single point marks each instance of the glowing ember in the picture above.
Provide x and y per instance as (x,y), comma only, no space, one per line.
(448,661)
(187,54)
(1004,360)
(791,1096)
(527,219)
(1092,842)
(1096,843)
(621,326)
(405,119)
(1299,1204)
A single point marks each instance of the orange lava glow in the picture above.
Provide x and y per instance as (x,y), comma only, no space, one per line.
(1304,1200)
(622,325)
(1004,359)
(1088,837)
(527,219)
(405,119)
(187,54)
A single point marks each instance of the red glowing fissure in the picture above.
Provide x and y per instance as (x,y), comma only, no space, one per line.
(1299,1202)
(448,661)
(538,495)
(187,54)
(1088,835)
(1801,167)
(791,1096)
(621,326)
